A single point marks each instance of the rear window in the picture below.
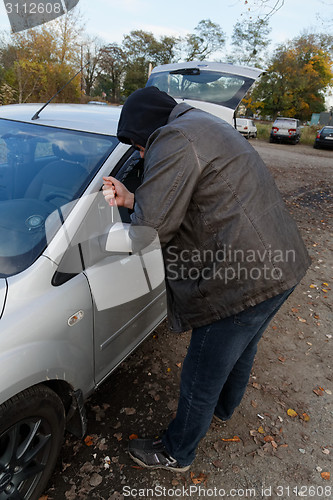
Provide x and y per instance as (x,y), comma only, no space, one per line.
(199,85)
(285,123)
(327,131)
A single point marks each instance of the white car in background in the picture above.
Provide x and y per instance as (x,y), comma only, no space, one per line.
(74,299)
(246,127)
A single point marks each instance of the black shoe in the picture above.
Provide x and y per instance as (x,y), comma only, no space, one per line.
(150,453)
(218,420)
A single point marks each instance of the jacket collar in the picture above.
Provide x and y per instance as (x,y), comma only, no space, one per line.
(179,110)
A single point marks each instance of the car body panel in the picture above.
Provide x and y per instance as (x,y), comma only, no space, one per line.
(35,332)
(217,88)
(3,293)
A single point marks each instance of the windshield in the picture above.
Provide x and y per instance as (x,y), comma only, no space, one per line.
(209,86)
(42,170)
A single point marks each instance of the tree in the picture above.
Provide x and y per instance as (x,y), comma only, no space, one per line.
(37,62)
(207,39)
(112,61)
(266,8)
(250,41)
(296,80)
(141,48)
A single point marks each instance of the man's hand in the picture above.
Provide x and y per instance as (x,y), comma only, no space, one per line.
(115,193)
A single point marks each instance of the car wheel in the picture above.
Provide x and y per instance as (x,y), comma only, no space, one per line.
(31,433)
(271,139)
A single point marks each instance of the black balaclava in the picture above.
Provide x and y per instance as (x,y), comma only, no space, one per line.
(144,111)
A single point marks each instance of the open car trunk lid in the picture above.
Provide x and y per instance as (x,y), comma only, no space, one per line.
(217,88)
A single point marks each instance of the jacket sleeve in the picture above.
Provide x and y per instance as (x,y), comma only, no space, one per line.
(170,177)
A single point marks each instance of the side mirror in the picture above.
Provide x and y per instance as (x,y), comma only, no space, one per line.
(118,239)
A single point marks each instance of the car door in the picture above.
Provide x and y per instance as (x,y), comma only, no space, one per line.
(127,289)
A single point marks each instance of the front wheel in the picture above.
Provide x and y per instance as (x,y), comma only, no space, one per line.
(31,432)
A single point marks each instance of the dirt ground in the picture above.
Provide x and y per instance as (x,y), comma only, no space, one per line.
(279,443)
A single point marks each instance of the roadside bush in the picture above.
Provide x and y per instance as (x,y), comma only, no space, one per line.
(263,131)
(308,134)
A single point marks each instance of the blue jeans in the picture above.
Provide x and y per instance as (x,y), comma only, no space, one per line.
(215,374)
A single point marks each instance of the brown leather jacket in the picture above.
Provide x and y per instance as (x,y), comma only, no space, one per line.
(228,240)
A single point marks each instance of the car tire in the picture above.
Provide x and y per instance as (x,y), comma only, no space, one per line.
(32,427)
(271,139)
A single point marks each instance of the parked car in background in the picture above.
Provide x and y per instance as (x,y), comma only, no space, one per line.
(246,127)
(73,304)
(285,130)
(324,138)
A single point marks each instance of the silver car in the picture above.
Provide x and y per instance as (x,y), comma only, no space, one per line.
(74,299)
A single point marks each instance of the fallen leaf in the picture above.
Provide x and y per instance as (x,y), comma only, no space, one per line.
(261,430)
(291,413)
(319,391)
(88,441)
(313,286)
(44,497)
(128,411)
(118,436)
(326,476)
(133,436)
(325,284)
(234,439)
(218,464)
(302,320)
(268,439)
(254,403)
(294,309)
(256,386)
(282,359)
(201,478)
(168,370)
(273,443)
(305,417)
(179,365)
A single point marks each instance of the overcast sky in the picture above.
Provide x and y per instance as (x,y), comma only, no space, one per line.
(112,19)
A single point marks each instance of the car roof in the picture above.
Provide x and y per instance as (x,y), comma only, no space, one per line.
(96,119)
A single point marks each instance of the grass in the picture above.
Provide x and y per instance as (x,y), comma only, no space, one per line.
(308,133)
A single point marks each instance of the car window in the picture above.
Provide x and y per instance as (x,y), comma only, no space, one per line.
(42,170)
(327,131)
(209,86)
(285,122)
